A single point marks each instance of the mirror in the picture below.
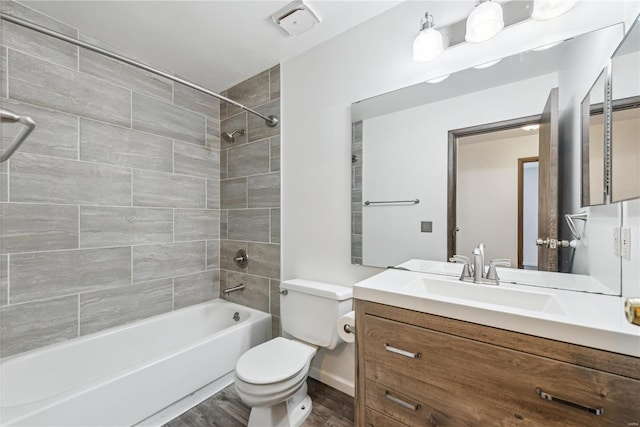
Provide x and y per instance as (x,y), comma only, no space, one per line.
(593,144)
(401,146)
(625,118)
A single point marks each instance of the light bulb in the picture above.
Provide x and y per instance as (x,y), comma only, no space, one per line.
(547,9)
(427,45)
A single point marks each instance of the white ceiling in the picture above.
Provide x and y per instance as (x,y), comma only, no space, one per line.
(214,43)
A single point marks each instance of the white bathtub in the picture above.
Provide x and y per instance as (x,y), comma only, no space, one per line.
(123,376)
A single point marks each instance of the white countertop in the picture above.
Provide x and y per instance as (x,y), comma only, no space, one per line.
(592,320)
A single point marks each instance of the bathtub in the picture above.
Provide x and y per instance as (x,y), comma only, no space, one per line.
(142,373)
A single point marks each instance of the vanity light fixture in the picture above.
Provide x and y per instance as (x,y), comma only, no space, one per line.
(439,79)
(428,43)
(547,9)
(487,64)
(484,22)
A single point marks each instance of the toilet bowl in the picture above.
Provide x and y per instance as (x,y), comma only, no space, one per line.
(272,377)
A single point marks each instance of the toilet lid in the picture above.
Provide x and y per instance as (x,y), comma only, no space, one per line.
(273,361)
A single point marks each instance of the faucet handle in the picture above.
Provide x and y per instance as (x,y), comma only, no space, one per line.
(467,269)
(492,274)
(501,262)
(459,258)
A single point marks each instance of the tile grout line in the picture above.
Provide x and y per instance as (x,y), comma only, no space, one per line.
(78,315)
(8,279)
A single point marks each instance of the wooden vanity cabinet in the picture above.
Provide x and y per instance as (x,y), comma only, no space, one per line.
(417,369)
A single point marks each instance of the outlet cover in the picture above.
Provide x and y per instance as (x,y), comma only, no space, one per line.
(625,243)
(426,226)
(615,241)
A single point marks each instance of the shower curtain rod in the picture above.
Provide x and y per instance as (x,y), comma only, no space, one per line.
(270,121)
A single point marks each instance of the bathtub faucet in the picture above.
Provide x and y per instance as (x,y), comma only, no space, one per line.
(233,289)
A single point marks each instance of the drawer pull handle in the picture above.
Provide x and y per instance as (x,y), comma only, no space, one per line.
(402,352)
(550,398)
(401,402)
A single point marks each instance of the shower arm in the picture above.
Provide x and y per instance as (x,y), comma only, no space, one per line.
(271,121)
(29,126)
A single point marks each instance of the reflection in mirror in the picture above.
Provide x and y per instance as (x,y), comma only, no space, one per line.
(625,120)
(401,151)
(593,144)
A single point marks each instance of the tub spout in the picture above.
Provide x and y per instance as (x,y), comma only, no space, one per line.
(233,289)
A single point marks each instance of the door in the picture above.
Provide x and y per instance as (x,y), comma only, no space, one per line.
(548,185)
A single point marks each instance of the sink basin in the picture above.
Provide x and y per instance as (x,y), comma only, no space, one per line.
(496,295)
(433,267)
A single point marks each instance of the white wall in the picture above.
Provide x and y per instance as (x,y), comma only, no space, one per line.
(530,215)
(391,234)
(318,88)
(487,199)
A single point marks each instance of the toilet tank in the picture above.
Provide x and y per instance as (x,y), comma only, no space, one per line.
(309,310)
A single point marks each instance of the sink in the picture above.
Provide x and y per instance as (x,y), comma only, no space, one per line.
(433,267)
(496,295)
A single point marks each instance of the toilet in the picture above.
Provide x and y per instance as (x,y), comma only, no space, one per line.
(272,377)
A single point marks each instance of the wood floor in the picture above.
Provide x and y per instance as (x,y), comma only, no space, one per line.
(331,408)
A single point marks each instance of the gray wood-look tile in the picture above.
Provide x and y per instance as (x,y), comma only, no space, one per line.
(224,222)
(258,129)
(213,254)
(331,408)
(213,133)
(357,132)
(356,245)
(166,260)
(228,249)
(274,305)
(213,194)
(274,142)
(4,270)
(113,226)
(4,187)
(49,180)
(275,225)
(190,159)
(52,86)
(103,143)
(255,293)
(356,177)
(231,124)
(38,227)
(196,101)
(251,92)
(119,73)
(264,190)
(49,274)
(56,134)
(113,307)
(356,224)
(164,119)
(35,43)
(36,324)
(233,193)
(265,260)
(276,326)
(248,159)
(3,72)
(223,164)
(165,190)
(274,82)
(224,111)
(196,288)
(248,224)
(196,224)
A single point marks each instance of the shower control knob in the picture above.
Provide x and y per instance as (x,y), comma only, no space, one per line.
(241,259)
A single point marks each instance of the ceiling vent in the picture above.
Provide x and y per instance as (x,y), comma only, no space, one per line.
(296,18)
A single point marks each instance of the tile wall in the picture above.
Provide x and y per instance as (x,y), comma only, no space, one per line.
(250,195)
(356,193)
(111,209)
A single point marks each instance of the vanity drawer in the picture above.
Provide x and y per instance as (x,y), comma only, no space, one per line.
(460,379)
(376,419)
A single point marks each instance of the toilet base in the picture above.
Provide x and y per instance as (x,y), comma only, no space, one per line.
(290,413)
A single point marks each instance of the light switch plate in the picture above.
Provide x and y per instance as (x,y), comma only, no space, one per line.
(615,241)
(625,242)
(426,226)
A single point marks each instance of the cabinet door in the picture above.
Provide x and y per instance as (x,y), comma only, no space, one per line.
(459,381)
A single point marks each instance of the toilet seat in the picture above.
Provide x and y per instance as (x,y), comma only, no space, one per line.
(274,361)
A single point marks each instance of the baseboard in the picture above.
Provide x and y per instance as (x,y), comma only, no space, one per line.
(332,380)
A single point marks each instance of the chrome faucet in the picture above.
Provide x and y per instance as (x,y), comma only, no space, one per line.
(233,289)
(478,265)
(476,271)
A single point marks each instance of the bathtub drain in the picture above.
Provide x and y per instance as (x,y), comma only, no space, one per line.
(236,316)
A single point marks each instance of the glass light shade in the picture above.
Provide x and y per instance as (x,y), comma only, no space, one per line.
(547,9)
(484,22)
(427,45)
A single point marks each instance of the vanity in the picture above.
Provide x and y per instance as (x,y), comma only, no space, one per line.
(429,352)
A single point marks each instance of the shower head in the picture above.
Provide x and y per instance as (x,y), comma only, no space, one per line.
(230,136)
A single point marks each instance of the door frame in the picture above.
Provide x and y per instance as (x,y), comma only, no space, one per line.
(452,166)
(521,163)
